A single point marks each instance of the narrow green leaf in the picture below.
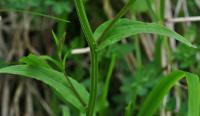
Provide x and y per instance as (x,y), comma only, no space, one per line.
(34,13)
(193,94)
(125,28)
(56,40)
(156,96)
(67,53)
(154,99)
(52,78)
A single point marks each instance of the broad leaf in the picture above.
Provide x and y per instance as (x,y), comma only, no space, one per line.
(125,28)
(154,99)
(52,78)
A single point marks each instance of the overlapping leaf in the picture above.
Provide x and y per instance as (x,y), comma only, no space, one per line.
(52,78)
(125,28)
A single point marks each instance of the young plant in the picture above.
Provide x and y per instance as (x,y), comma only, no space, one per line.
(110,32)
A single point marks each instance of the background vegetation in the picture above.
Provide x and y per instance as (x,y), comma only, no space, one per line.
(128,70)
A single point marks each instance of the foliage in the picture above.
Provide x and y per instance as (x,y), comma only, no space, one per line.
(142,89)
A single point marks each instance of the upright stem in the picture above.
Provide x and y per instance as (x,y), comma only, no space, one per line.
(94,63)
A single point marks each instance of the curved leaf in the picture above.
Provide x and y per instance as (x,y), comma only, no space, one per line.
(125,28)
(154,99)
(193,94)
(52,78)
(34,13)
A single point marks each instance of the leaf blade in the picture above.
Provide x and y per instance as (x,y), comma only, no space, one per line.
(52,78)
(125,28)
(193,94)
(159,91)
(163,87)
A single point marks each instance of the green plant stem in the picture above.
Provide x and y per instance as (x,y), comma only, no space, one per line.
(119,15)
(138,53)
(162,9)
(108,77)
(94,63)
(106,86)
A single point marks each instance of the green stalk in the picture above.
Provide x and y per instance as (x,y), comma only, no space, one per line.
(92,44)
(108,77)
(162,9)
(138,53)
(106,85)
(119,15)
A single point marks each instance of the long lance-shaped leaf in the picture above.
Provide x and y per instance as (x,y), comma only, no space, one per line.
(193,94)
(34,13)
(52,78)
(125,28)
(154,99)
